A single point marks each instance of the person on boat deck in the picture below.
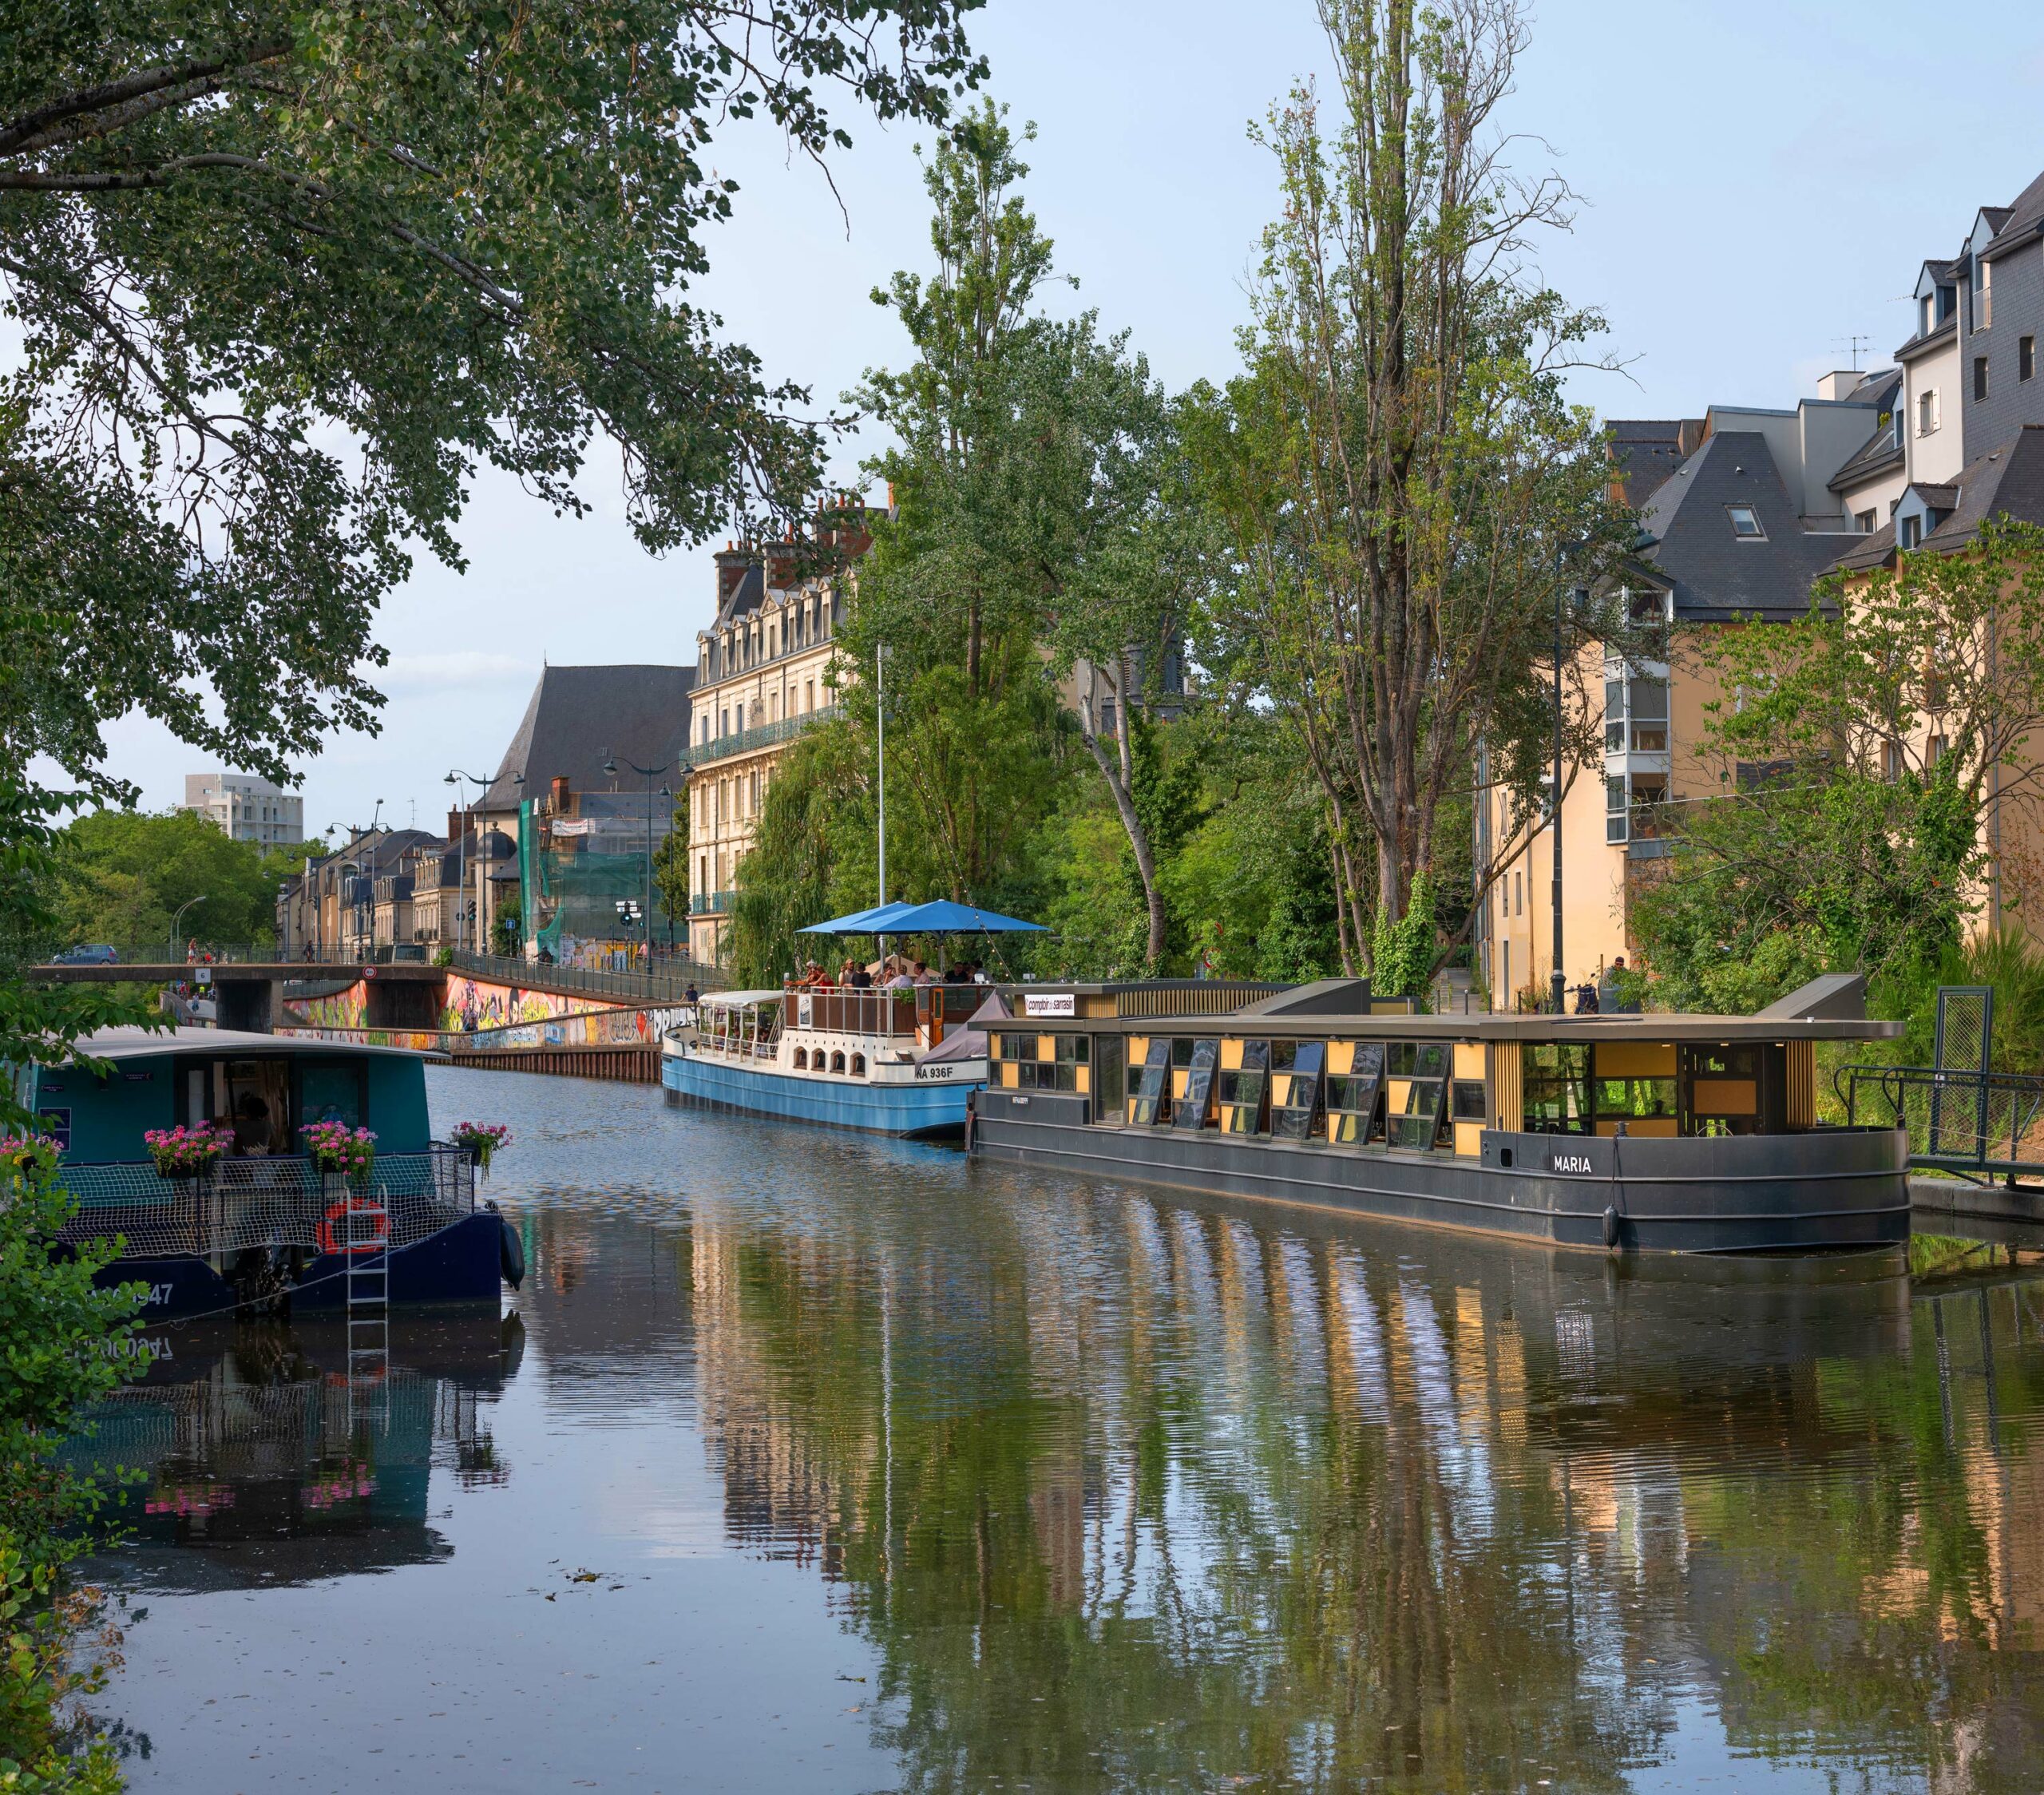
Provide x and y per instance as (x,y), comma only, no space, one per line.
(955,975)
(901,981)
(251,1124)
(858,977)
(924,975)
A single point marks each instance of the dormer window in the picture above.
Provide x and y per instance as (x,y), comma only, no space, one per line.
(1745,523)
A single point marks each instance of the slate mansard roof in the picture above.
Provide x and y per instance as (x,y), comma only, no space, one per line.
(580,715)
(2010,479)
(1687,539)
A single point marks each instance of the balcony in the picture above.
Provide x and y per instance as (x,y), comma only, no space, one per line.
(712,903)
(742,741)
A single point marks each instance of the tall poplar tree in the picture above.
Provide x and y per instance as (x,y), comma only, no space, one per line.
(1398,464)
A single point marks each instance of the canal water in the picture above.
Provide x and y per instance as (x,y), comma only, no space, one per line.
(809,1462)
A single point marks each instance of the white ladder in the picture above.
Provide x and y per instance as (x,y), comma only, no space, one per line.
(366,1243)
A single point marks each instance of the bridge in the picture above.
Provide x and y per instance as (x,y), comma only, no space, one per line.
(251,986)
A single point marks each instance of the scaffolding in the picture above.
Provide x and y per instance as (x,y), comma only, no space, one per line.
(585,874)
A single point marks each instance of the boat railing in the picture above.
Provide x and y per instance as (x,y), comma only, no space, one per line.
(843,1010)
(1983,1122)
(264,1201)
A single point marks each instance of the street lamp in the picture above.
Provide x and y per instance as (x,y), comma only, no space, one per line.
(648,774)
(177,922)
(1560,979)
(454,773)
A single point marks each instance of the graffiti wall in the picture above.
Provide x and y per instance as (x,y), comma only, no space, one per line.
(473,1005)
(608,1028)
(344,1009)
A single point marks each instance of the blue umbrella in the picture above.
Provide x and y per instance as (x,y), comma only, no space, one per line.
(877,921)
(944,917)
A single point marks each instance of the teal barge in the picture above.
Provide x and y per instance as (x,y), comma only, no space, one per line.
(265,1227)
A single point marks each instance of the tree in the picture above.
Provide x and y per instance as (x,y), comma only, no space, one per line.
(670,880)
(127,877)
(284,278)
(1031,515)
(1397,465)
(1856,755)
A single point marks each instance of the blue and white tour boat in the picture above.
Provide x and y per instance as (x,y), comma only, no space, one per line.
(889,1062)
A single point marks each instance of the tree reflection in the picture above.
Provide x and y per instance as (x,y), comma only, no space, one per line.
(1126,1493)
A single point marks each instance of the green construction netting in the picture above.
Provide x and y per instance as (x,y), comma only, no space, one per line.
(575,870)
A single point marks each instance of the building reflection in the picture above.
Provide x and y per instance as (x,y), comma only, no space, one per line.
(249,1457)
(1121,1486)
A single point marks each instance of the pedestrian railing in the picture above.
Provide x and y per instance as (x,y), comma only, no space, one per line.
(262,1200)
(1982,1122)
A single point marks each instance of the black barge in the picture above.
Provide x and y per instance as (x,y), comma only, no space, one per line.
(1656,1133)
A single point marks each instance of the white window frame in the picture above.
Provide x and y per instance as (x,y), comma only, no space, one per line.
(1926,412)
(1757,533)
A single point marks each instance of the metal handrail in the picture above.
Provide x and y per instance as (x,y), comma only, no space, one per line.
(1957,1120)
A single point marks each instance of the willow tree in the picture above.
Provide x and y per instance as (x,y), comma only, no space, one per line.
(1398,463)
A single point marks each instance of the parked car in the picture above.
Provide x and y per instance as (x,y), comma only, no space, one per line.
(88,953)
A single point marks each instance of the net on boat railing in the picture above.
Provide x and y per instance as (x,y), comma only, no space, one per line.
(285,1202)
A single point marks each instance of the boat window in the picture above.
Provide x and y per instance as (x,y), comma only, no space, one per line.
(1295,1088)
(1109,1055)
(837,1062)
(1241,1089)
(1352,1097)
(1471,1102)
(1152,1090)
(1720,1090)
(329,1091)
(1056,1062)
(1182,1052)
(858,1065)
(256,1103)
(1556,1087)
(1628,1100)
(1417,1123)
(801,1059)
(1189,1111)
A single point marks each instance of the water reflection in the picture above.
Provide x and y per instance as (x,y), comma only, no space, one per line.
(1115,1489)
(253,1458)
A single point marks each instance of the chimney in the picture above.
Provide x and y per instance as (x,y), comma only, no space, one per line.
(732,562)
(557,795)
(781,562)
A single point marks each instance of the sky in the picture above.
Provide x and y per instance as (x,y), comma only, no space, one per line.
(1757,185)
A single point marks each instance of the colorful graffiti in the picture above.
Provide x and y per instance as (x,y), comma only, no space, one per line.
(343,1009)
(472,1005)
(605,1027)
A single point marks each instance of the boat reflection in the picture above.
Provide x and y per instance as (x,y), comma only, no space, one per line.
(250,1458)
(1158,1489)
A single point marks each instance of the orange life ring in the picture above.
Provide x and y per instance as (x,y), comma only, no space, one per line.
(330,1241)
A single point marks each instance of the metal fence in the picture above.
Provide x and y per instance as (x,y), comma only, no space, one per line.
(1956,1121)
(667,981)
(263,1201)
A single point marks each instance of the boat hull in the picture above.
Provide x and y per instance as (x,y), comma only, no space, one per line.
(924,1110)
(1821,1190)
(458,1263)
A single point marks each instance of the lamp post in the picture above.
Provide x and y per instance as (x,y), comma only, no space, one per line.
(177,922)
(1560,978)
(455,773)
(648,774)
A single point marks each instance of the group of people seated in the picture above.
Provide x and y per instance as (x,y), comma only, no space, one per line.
(896,973)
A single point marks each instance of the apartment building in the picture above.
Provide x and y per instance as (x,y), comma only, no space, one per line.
(1740,512)
(764,673)
(246,808)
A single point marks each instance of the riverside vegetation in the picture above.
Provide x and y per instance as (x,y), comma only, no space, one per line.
(229,244)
